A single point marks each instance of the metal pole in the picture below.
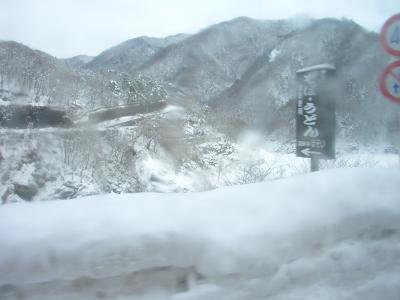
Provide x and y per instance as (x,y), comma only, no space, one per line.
(314,164)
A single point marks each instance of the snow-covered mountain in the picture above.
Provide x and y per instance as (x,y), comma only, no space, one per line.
(40,79)
(173,114)
(131,53)
(245,70)
(78,61)
(264,96)
(209,62)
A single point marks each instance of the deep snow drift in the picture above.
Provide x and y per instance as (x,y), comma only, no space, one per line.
(328,235)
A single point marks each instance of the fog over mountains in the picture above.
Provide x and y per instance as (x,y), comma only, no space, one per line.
(183,100)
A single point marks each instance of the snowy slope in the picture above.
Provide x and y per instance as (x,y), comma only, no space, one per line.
(328,235)
(33,77)
(78,61)
(131,53)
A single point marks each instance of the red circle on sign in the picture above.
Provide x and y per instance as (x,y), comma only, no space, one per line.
(382,84)
(384,32)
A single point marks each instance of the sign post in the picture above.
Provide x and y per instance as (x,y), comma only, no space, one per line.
(389,82)
(315,114)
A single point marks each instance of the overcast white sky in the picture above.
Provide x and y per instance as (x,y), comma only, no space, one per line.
(69,27)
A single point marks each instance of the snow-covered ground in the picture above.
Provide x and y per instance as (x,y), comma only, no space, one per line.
(328,235)
(51,164)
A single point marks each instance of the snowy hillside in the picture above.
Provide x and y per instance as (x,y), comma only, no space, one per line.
(131,53)
(328,235)
(32,77)
(78,61)
(245,70)
(210,61)
(164,151)
(263,96)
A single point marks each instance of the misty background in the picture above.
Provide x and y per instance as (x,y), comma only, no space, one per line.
(68,28)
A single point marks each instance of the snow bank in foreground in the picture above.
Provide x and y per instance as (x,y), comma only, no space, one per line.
(327,235)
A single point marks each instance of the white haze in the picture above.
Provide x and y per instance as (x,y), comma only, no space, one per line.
(70,27)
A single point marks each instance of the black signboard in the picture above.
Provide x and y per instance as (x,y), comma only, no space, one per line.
(315,113)
(315,130)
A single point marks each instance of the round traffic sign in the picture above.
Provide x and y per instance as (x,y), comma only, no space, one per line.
(389,82)
(390,35)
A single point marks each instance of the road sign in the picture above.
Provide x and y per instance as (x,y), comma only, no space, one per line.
(389,82)
(315,128)
(390,35)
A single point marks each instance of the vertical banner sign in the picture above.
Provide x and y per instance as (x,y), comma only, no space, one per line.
(315,116)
